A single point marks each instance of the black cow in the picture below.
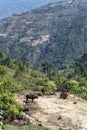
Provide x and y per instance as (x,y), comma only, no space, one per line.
(31,96)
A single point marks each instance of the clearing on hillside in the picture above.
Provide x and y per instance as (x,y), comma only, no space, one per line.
(53,113)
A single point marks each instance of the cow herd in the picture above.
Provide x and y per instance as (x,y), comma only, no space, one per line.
(63,95)
(33,96)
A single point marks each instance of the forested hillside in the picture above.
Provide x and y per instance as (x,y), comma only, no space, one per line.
(9,7)
(17,76)
(17,79)
(45,48)
(56,32)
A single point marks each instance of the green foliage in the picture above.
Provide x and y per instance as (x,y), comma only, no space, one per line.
(23,66)
(67,35)
(1,126)
(80,66)
(2,55)
(9,127)
(2,71)
(10,107)
(78,88)
(70,85)
(22,78)
(47,67)
(18,75)
(49,86)
(7,86)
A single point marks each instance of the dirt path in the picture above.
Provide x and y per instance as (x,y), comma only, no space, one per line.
(55,113)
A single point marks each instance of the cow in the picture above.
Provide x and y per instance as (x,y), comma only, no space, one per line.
(43,91)
(64,95)
(31,96)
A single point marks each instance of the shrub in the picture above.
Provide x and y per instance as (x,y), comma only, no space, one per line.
(1,126)
(10,107)
(50,86)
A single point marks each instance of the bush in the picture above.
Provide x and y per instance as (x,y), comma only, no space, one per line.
(1,126)
(10,107)
(2,71)
(50,86)
(70,85)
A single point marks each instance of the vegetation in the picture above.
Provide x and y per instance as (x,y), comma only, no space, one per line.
(52,63)
(17,77)
(9,106)
(9,127)
(1,126)
(56,33)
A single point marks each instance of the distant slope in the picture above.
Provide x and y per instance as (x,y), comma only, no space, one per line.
(56,32)
(9,7)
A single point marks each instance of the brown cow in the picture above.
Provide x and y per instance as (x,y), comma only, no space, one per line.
(64,95)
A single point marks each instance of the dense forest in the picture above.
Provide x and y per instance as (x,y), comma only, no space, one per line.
(56,32)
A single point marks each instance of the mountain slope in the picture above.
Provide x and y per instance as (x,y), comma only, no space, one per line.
(56,32)
(9,7)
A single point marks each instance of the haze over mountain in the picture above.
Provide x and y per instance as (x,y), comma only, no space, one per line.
(9,7)
(56,32)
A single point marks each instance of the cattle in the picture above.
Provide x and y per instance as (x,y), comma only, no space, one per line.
(64,95)
(43,91)
(31,96)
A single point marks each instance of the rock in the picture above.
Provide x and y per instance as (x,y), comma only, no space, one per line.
(59,118)
(40,124)
(75,102)
(60,128)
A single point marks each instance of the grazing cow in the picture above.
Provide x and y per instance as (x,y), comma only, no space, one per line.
(43,91)
(31,96)
(64,95)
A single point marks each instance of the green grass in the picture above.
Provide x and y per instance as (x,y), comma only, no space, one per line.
(10,127)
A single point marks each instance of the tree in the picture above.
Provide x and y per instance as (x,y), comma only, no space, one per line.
(47,67)
(2,71)
(22,68)
(49,86)
(8,62)
(71,85)
(18,74)
(2,55)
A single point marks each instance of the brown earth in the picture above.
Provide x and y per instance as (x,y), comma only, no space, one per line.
(57,114)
